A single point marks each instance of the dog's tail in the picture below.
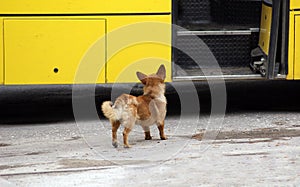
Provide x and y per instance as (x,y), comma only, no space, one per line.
(108,111)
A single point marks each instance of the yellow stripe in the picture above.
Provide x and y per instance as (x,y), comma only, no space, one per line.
(83,6)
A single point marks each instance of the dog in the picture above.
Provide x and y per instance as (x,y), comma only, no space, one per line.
(145,110)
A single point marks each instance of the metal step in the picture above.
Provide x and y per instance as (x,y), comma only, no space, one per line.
(218,32)
(218,77)
(230,48)
(224,77)
(228,31)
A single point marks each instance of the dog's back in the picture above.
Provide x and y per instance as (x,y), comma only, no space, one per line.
(124,106)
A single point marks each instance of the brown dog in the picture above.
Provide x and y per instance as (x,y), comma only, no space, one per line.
(145,110)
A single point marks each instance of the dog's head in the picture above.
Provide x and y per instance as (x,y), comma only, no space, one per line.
(154,83)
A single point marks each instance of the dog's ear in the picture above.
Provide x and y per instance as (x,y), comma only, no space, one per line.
(142,77)
(161,72)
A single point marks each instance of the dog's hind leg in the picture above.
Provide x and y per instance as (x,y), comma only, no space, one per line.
(115,126)
(125,137)
(160,126)
(129,122)
(147,133)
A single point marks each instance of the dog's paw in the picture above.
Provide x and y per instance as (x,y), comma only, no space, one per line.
(148,138)
(163,138)
(127,146)
(115,144)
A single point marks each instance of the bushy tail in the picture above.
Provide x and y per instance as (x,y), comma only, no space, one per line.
(108,111)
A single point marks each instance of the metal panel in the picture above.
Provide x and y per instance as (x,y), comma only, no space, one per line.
(265,28)
(220,12)
(194,11)
(271,59)
(83,6)
(1,53)
(294,4)
(237,12)
(297,48)
(137,43)
(291,46)
(49,50)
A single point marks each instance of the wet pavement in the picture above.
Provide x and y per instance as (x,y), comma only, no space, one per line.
(257,143)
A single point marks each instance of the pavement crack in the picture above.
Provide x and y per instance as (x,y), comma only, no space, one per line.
(73,138)
(246,154)
(36,153)
(5,144)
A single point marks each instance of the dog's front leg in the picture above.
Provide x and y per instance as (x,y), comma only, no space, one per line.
(147,133)
(160,126)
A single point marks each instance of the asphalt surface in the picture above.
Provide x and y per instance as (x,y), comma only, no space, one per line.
(40,104)
(257,142)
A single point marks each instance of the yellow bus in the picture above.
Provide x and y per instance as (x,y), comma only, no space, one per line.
(96,41)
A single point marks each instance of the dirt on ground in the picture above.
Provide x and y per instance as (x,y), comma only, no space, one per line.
(261,134)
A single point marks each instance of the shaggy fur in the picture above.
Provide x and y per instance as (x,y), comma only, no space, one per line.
(145,110)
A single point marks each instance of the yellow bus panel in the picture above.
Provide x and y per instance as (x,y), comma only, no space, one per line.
(265,28)
(297,48)
(83,6)
(49,50)
(1,53)
(137,43)
(294,4)
(291,46)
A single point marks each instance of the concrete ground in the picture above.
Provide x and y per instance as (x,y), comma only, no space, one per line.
(65,154)
(250,148)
